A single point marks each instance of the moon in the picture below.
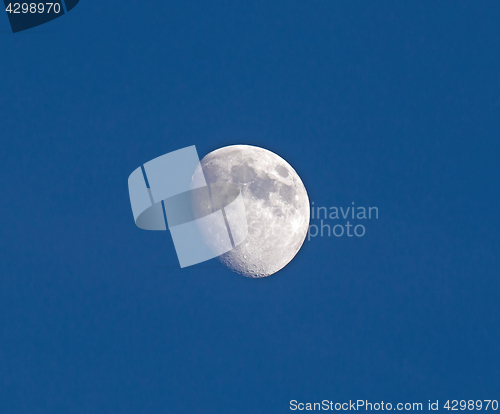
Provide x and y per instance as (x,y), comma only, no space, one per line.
(276,206)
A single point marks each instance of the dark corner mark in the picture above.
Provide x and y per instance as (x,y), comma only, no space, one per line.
(70,4)
(25,15)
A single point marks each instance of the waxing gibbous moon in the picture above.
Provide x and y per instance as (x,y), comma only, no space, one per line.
(276,206)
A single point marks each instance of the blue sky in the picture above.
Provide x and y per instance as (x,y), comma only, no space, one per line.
(387,104)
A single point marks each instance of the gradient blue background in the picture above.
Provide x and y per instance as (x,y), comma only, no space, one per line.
(387,104)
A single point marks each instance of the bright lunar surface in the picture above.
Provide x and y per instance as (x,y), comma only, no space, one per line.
(276,205)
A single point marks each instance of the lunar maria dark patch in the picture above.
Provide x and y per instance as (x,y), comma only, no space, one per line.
(242,173)
(282,171)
